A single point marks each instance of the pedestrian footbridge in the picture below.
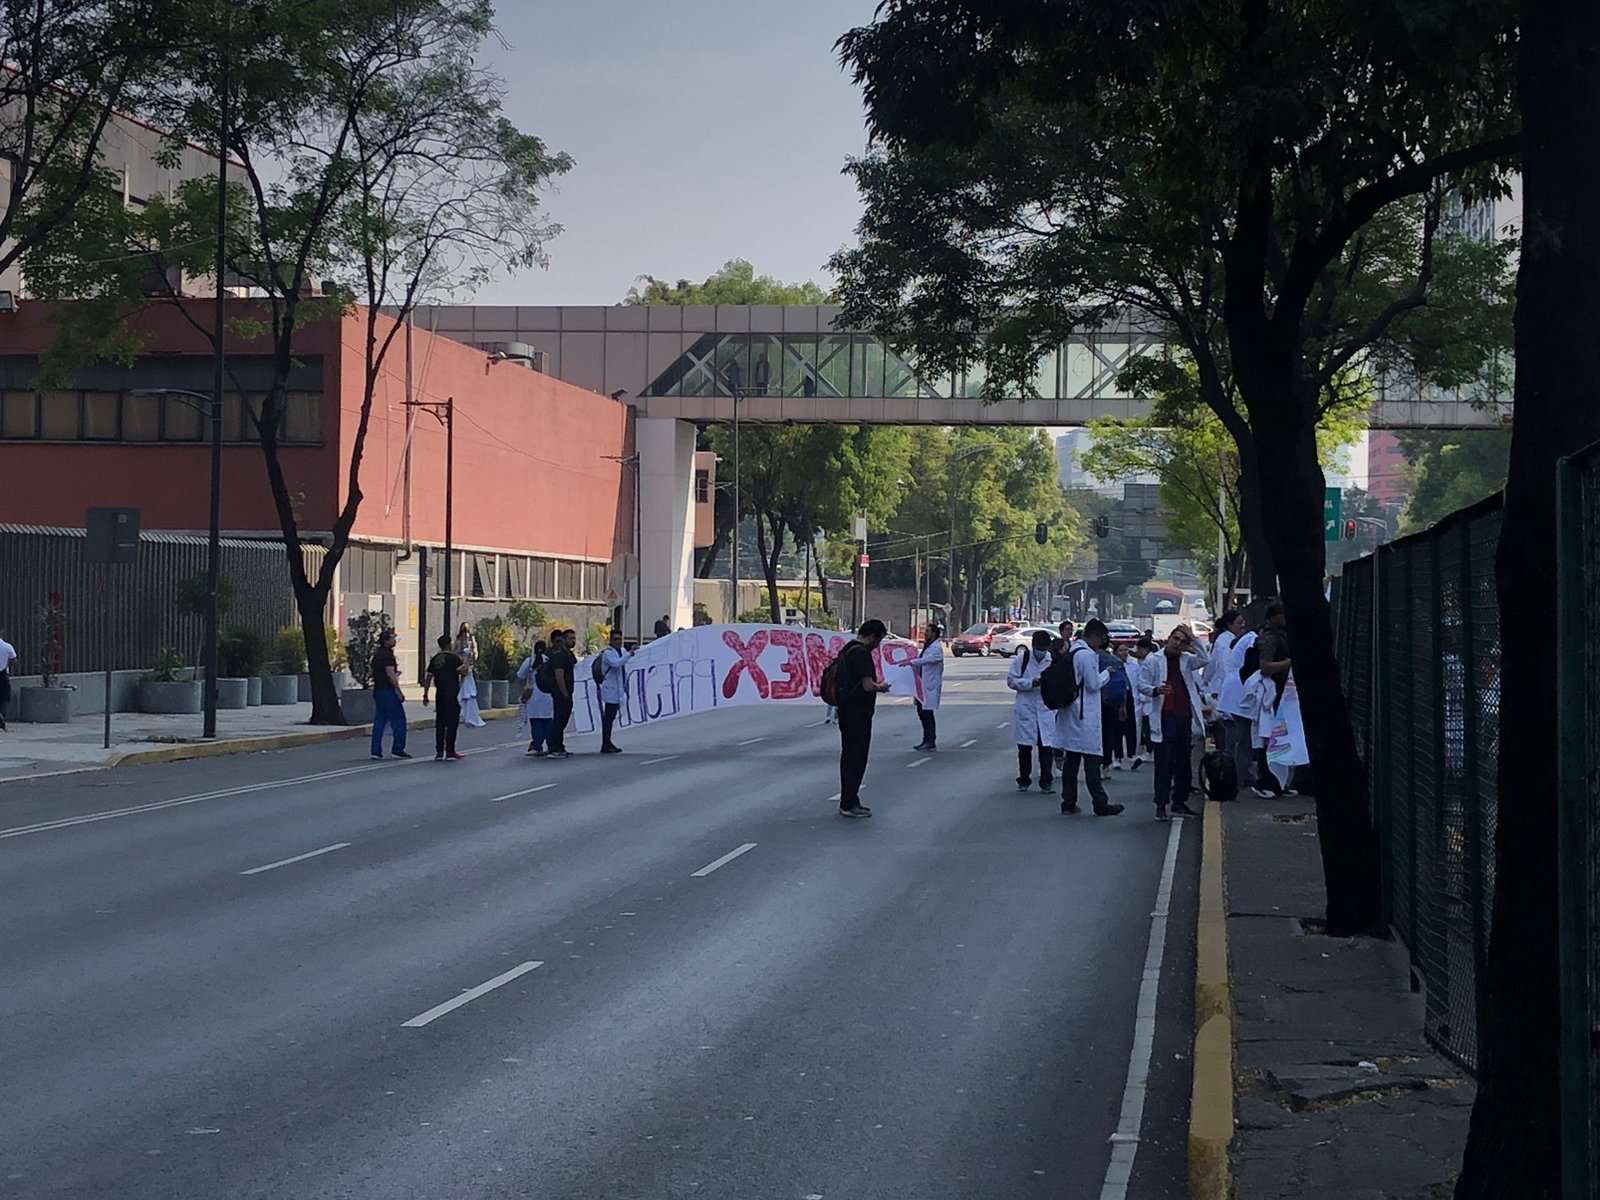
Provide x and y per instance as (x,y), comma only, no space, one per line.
(794,363)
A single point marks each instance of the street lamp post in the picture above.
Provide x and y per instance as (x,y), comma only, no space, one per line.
(632,461)
(738,395)
(444,412)
(207,406)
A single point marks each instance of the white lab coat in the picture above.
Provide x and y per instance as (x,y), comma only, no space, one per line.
(1230,696)
(929,666)
(1216,668)
(1078,724)
(1141,702)
(538,705)
(1155,674)
(614,669)
(1031,721)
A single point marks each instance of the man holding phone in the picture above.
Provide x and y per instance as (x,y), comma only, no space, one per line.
(1176,717)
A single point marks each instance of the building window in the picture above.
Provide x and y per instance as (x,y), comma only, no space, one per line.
(141,418)
(100,416)
(181,420)
(58,416)
(19,415)
(702,487)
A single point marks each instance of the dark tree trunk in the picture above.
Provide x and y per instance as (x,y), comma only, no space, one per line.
(312,605)
(1513,1148)
(1291,483)
(1263,577)
(770,554)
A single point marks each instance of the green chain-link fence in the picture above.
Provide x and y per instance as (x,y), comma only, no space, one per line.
(1578,654)
(1419,640)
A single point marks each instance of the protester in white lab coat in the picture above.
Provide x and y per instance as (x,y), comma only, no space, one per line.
(613,667)
(1237,706)
(1171,683)
(1078,724)
(1032,724)
(1225,635)
(929,669)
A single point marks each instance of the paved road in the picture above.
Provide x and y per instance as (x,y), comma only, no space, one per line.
(938,1002)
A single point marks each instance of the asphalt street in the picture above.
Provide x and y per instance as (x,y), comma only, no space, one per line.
(675,972)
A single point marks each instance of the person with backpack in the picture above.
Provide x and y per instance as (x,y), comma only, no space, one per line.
(1177,717)
(537,704)
(929,670)
(444,675)
(851,684)
(1032,724)
(610,673)
(562,669)
(1071,686)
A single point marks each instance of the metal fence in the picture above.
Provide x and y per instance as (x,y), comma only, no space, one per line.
(1419,643)
(1578,622)
(36,563)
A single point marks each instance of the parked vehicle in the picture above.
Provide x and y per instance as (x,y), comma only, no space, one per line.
(1012,640)
(1123,632)
(977,639)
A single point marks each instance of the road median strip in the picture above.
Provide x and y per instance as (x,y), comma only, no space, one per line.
(1211,1099)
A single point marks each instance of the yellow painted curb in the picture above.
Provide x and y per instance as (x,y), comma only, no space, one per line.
(1211,1100)
(183,751)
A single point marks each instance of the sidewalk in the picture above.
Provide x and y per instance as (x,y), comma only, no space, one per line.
(30,751)
(1308,1012)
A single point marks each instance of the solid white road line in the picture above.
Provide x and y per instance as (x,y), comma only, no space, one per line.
(970,742)
(1125,1141)
(158,805)
(543,787)
(297,858)
(723,861)
(921,762)
(471,994)
(750,741)
(652,762)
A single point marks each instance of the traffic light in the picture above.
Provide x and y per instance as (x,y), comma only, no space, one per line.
(1041,533)
(1349,531)
(1102,526)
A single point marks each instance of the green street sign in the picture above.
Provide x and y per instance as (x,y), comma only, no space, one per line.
(1332,514)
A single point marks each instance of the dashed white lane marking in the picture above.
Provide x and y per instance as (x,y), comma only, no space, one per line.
(178,802)
(921,762)
(969,742)
(543,787)
(471,994)
(815,724)
(1003,725)
(1125,1141)
(723,861)
(655,761)
(284,862)
(750,741)
(835,796)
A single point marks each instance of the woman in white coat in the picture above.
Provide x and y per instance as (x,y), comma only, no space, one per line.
(929,669)
(538,707)
(1032,724)
(1078,724)
(467,648)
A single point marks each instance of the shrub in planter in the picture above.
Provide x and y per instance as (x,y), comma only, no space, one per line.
(242,653)
(497,642)
(163,689)
(290,648)
(49,704)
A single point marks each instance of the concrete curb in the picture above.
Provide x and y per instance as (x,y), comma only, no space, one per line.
(1211,1100)
(183,751)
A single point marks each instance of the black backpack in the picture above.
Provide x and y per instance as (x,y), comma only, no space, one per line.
(1058,686)
(1219,778)
(544,677)
(828,685)
(597,669)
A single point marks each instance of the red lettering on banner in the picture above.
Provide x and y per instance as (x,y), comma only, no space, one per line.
(793,684)
(819,653)
(897,654)
(749,654)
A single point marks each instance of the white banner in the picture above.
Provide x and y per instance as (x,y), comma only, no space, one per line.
(1286,744)
(725,666)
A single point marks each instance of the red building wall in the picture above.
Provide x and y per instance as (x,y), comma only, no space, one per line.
(531,467)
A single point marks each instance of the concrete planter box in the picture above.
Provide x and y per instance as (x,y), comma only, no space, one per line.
(280,689)
(343,681)
(252,695)
(302,686)
(499,690)
(169,698)
(233,693)
(45,706)
(357,705)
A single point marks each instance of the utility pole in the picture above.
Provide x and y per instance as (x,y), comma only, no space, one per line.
(445,413)
(218,373)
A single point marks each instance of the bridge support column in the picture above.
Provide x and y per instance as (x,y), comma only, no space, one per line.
(666,487)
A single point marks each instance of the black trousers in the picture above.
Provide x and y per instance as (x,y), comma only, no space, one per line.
(930,727)
(1174,774)
(5,694)
(446,724)
(1047,759)
(1091,776)
(855,743)
(608,719)
(558,725)
(1119,734)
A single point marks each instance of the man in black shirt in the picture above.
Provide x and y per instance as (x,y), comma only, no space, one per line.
(663,627)
(563,666)
(858,699)
(445,670)
(388,705)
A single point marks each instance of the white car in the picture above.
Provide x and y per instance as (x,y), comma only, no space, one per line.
(1012,640)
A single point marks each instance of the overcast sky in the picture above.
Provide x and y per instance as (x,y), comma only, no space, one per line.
(703,130)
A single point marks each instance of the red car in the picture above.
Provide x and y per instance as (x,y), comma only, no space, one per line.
(977,639)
